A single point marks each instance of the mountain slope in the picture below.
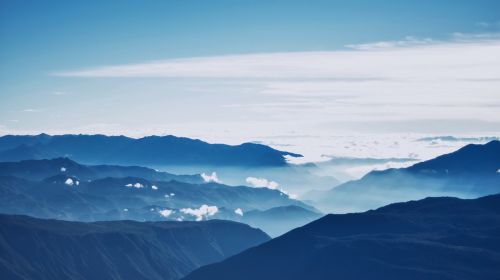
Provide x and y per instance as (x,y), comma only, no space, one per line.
(434,238)
(278,220)
(469,172)
(149,151)
(50,249)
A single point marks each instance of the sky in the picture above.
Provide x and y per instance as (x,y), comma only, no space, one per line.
(315,77)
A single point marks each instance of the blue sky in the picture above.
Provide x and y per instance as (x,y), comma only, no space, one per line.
(85,66)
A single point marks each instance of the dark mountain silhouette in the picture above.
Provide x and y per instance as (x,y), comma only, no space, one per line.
(146,151)
(40,169)
(434,238)
(50,249)
(469,172)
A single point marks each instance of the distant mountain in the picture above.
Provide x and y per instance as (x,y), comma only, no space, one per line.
(41,169)
(63,189)
(146,151)
(50,249)
(471,171)
(434,238)
(67,197)
(278,220)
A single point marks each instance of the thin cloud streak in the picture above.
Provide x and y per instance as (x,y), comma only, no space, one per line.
(410,59)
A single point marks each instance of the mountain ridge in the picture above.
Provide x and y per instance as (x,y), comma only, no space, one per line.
(32,248)
(410,240)
(149,150)
(471,171)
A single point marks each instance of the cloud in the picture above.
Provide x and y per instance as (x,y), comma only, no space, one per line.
(210,178)
(136,185)
(264,183)
(31,110)
(165,213)
(203,212)
(69,182)
(408,41)
(154,187)
(379,60)
(458,139)
(238,211)
(289,195)
(261,183)
(411,79)
(63,169)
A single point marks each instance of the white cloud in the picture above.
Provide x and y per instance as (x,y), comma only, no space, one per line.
(409,41)
(411,79)
(418,59)
(238,211)
(165,213)
(71,182)
(264,183)
(31,110)
(63,169)
(136,185)
(261,183)
(203,212)
(210,178)
(154,187)
(290,195)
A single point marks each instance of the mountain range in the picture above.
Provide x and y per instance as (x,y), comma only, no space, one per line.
(146,151)
(63,189)
(40,169)
(50,249)
(469,172)
(433,238)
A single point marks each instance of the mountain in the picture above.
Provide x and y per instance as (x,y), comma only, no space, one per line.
(146,151)
(471,171)
(50,249)
(434,238)
(278,220)
(67,197)
(41,169)
(63,189)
